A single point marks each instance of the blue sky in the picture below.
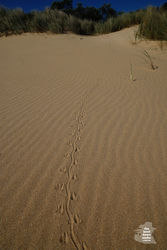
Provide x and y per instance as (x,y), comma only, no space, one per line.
(119,5)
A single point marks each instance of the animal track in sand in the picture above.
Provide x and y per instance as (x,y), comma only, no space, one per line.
(71,176)
(64,238)
(67,155)
(73,196)
(84,246)
(60,209)
(75,162)
(60,187)
(77,219)
(74,177)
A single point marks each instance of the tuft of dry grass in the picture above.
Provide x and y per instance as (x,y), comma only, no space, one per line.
(162,45)
(153,66)
(131,73)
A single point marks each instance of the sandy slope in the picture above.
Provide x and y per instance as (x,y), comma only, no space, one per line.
(83,149)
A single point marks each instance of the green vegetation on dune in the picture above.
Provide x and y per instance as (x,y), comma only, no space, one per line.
(61,18)
(154,24)
(121,21)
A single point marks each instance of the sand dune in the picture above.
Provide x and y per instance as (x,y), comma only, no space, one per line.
(83,148)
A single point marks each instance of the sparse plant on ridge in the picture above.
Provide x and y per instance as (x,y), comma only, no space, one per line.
(153,67)
(131,73)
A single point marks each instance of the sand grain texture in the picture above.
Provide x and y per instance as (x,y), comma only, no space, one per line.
(83,148)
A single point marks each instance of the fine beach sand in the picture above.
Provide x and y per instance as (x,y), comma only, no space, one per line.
(83,148)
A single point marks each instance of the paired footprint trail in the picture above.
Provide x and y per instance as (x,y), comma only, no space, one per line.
(71,172)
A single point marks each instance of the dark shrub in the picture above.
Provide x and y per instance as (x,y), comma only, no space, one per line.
(75,25)
(87,27)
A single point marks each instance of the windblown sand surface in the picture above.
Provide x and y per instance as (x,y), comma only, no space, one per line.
(83,148)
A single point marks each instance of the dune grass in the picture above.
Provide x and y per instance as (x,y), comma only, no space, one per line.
(152,65)
(121,21)
(152,23)
(131,73)
(16,22)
